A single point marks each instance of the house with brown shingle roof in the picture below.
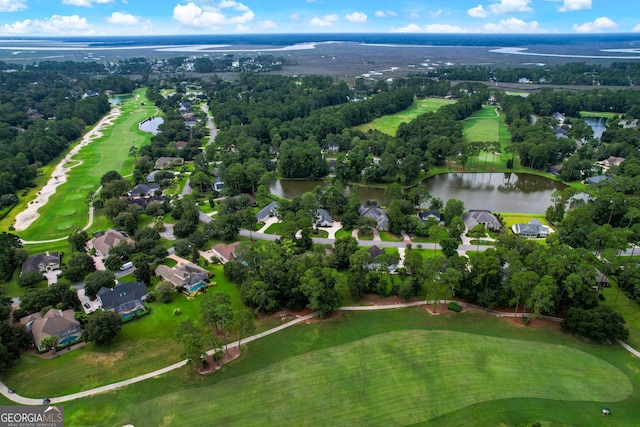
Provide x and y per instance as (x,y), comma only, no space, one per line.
(102,243)
(225,252)
(60,323)
(183,274)
(168,162)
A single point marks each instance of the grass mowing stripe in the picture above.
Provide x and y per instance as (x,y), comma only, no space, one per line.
(410,376)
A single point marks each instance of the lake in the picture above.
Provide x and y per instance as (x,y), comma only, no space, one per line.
(499,192)
(116,100)
(598,124)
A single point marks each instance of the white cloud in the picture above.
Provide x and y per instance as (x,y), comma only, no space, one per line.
(385,13)
(572,5)
(478,12)
(356,17)
(267,25)
(55,25)
(192,15)
(86,3)
(412,15)
(435,13)
(599,25)
(12,5)
(432,28)
(510,6)
(512,25)
(120,18)
(636,29)
(324,21)
(295,16)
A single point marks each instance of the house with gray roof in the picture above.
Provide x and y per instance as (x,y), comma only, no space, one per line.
(596,179)
(486,218)
(268,211)
(323,218)
(123,298)
(425,215)
(144,190)
(184,274)
(168,162)
(373,211)
(42,262)
(533,229)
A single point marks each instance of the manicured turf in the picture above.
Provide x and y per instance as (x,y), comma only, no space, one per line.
(486,126)
(389,237)
(509,219)
(142,346)
(274,228)
(389,124)
(110,152)
(606,114)
(343,233)
(393,367)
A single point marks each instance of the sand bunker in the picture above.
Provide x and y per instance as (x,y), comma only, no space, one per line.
(59,175)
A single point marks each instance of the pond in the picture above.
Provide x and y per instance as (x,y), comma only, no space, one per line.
(151,124)
(116,100)
(499,192)
(598,124)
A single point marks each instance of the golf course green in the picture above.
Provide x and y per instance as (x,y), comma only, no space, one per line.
(389,124)
(395,367)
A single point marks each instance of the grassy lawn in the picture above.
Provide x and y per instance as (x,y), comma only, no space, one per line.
(394,367)
(142,346)
(274,228)
(363,236)
(510,218)
(389,124)
(486,125)
(630,310)
(388,237)
(343,233)
(429,253)
(68,208)
(320,233)
(605,114)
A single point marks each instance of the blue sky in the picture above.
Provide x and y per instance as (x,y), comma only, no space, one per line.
(144,17)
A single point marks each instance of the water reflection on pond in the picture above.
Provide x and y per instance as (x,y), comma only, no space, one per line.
(116,100)
(151,124)
(500,192)
(598,124)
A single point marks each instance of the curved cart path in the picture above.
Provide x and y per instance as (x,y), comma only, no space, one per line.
(109,387)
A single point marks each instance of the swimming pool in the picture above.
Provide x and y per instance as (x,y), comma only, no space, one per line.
(67,340)
(197,287)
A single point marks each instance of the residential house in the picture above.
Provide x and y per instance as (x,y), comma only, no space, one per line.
(533,229)
(168,162)
(152,176)
(555,169)
(596,179)
(218,184)
(268,211)
(486,218)
(123,298)
(561,132)
(425,215)
(323,218)
(144,190)
(143,202)
(559,117)
(103,242)
(373,211)
(181,144)
(611,161)
(629,124)
(43,262)
(184,107)
(376,262)
(602,281)
(224,252)
(186,274)
(61,324)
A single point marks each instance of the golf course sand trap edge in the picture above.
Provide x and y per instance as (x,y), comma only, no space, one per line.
(59,175)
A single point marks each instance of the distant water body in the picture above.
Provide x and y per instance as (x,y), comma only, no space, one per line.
(612,46)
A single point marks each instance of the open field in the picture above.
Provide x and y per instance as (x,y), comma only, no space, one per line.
(394,367)
(109,152)
(389,124)
(605,114)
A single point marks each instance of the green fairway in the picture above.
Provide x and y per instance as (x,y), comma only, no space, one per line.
(487,125)
(109,152)
(389,124)
(606,114)
(394,367)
